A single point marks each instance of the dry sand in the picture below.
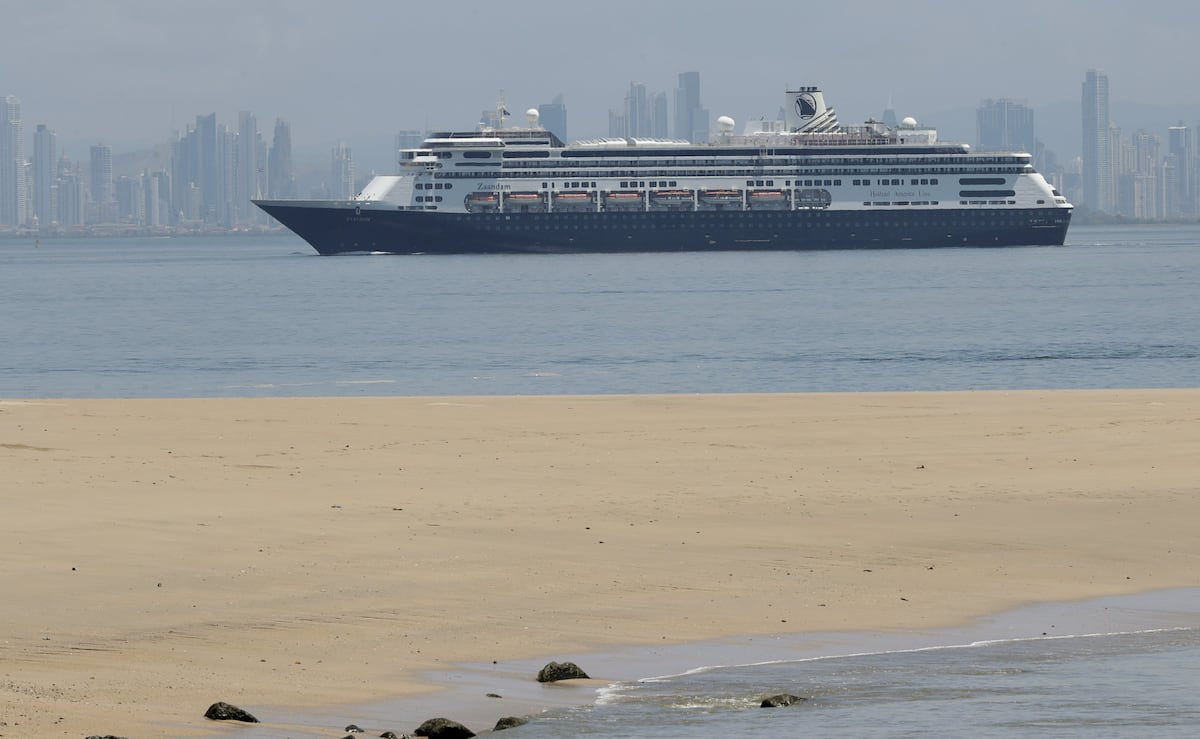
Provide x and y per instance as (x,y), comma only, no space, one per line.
(158,555)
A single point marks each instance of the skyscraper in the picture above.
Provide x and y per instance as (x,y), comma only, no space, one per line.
(249,182)
(208,181)
(1004,125)
(553,117)
(185,172)
(45,176)
(658,115)
(1098,174)
(280,181)
(1181,188)
(101,181)
(341,173)
(691,119)
(12,164)
(637,111)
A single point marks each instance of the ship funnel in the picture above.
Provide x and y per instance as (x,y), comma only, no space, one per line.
(806,111)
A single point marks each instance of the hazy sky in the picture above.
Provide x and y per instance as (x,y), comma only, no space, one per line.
(123,71)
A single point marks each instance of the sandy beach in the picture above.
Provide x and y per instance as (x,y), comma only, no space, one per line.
(159,555)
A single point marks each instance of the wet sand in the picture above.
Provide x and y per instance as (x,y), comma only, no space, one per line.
(159,555)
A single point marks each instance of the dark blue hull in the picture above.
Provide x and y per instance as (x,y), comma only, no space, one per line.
(343,230)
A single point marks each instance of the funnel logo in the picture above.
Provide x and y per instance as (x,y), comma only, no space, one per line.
(806,106)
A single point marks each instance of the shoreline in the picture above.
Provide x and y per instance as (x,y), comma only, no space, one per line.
(461,693)
(279,551)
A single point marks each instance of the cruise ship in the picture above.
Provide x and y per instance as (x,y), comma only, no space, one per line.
(805,182)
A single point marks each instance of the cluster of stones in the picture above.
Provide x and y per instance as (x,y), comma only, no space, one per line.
(444,728)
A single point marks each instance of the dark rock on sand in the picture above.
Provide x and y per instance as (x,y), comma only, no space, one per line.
(352,729)
(509,722)
(391,735)
(783,699)
(97,736)
(222,711)
(555,671)
(443,728)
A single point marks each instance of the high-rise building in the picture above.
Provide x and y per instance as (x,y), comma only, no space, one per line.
(637,112)
(281,182)
(1148,170)
(553,117)
(227,176)
(13,195)
(152,183)
(250,181)
(691,118)
(45,176)
(1098,169)
(658,115)
(131,200)
(100,179)
(208,172)
(341,173)
(1004,125)
(616,123)
(1181,191)
(889,116)
(185,172)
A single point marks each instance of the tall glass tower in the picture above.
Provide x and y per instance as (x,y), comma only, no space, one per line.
(12,163)
(1098,192)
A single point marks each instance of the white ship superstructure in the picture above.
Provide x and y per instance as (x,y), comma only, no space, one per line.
(804,182)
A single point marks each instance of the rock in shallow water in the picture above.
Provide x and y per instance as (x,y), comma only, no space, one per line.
(783,699)
(222,711)
(555,671)
(443,728)
(509,722)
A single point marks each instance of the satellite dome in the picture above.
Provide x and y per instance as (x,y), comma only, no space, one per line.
(532,115)
(908,122)
(725,123)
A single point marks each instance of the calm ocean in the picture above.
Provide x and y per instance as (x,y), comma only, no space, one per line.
(1116,307)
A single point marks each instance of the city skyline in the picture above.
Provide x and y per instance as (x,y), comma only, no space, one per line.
(214,169)
(342,74)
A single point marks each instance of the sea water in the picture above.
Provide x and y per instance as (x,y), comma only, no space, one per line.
(230,316)
(1116,307)
(1140,684)
(1119,666)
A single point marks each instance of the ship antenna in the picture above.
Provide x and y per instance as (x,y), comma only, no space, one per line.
(501,111)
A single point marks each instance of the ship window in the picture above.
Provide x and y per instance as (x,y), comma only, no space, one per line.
(477,155)
(933,181)
(837,182)
(1041,202)
(924,181)
(448,185)
(437,198)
